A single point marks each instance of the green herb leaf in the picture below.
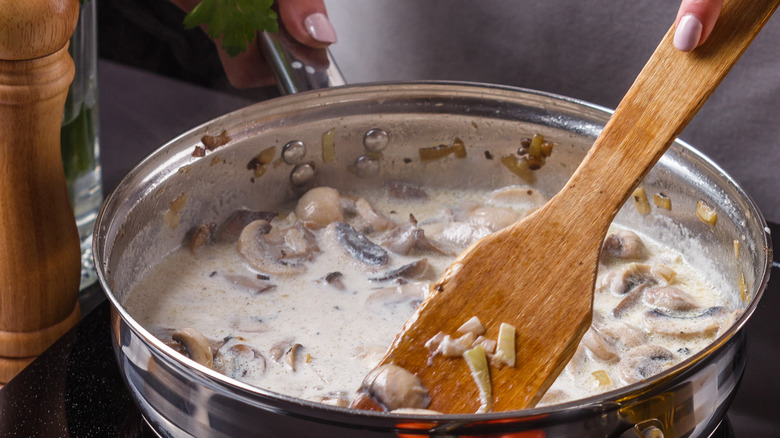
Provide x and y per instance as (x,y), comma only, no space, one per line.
(237,21)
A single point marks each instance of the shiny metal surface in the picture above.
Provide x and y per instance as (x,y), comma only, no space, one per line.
(181,398)
(296,67)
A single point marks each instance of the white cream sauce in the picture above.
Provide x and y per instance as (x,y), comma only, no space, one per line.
(342,333)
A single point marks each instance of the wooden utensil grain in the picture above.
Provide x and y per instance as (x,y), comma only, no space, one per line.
(539,274)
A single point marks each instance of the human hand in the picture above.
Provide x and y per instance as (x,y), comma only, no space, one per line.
(305,20)
(694,22)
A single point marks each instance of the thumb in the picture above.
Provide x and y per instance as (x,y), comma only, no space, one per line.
(695,20)
(307,21)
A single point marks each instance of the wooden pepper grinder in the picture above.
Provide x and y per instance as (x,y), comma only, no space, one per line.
(39,243)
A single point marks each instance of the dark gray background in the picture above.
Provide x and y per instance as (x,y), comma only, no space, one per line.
(590,50)
(586,49)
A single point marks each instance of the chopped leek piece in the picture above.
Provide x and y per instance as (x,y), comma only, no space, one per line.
(743,288)
(640,201)
(519,167)
(706,213)
(458,148)
(477,362)
(329,146)
(662,201)
(488,344)
(505,348)
(535,148)
(547,148)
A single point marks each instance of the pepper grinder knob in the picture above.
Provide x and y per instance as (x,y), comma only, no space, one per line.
(39,243)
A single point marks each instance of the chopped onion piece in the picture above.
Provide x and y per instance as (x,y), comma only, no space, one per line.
(602,378)
(473,325)
(706,213)
(477,362)
(488,344)
(640,201)
(505,347)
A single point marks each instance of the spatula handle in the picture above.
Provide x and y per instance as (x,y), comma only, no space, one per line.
(39,243)
(665,96)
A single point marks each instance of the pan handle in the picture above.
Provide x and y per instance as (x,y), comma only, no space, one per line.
(297,67)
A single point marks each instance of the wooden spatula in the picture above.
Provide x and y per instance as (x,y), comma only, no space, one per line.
(539,274)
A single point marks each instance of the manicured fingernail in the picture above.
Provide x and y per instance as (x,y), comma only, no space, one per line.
(688,33)
(319,27)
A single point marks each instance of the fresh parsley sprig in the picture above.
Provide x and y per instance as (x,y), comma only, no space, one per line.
(237,21)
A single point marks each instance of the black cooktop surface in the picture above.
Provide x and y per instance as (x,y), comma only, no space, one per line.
(74,389)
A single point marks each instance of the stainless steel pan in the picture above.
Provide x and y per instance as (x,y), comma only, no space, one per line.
(378,131)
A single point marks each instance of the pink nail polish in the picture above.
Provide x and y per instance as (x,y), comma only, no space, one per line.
(688,33)
(319,27)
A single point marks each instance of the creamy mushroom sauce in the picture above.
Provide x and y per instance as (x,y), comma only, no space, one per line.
(341,328)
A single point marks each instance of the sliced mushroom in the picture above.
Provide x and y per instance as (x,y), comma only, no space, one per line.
(411,293)
(357,244)
(643,362)
(408,236)
(373,220)
(370,354)
(624,279)
(576,365)
(406,192)
(624,334)
(493,218)
(402,239)
(280,252)
(195,344)
(517,197)
(395,388)
(239,360)
(335,279)
(279,349)
(291,356)
(340,399)
(418,270)
(320,206)
(553,396)
(201,235)
(231,229)
(669,298)
(685,324)
(630,300)
(602,346)
(623,245)
(463,234)
(254,285)
(730,320)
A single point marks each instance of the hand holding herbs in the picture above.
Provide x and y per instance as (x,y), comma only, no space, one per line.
(234,24)
(236,21)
